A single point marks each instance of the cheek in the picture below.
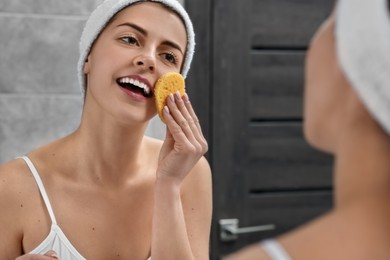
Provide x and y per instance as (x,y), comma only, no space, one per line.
(316,96)
(322,104)
(101,67)
(311,86)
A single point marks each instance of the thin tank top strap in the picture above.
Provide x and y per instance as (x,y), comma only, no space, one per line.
(41,187)
(274,249)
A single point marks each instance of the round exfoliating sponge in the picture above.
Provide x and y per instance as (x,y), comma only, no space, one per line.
(167,84)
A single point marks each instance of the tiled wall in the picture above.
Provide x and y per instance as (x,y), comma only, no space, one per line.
(39,94)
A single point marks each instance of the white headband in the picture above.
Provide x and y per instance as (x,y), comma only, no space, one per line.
(363,46)
(106,10)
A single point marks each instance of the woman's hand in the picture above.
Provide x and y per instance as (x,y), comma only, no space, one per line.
(184,143)
(183,148)
(50,255)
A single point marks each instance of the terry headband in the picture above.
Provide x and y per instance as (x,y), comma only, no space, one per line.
(363,46)
(99,18)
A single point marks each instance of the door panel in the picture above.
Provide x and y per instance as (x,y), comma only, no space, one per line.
(247,83)
(280,159)
(284,210)
(276,81)
(286,24)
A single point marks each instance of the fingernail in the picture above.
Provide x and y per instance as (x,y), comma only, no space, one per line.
(166,109)
(171,97)
(178,96)
(187,98)
(54,255)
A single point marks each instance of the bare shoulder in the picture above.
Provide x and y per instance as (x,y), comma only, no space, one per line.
(199,177)
(196,191)
(200,173)
(153,144)
(253,251)
(15,187)
(14,179)
(197,187)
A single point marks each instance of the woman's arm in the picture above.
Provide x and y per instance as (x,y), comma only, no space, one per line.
(182,207)
(10,206)
(14,197)
(197,206)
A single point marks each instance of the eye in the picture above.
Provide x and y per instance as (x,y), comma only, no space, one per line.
(130,40)
(170,57)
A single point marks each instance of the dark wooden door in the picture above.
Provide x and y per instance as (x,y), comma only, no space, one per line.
(248,78)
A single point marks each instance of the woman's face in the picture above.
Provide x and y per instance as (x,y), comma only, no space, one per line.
(325,87)
(142,42)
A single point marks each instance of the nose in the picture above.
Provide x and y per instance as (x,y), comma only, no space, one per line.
(146,62)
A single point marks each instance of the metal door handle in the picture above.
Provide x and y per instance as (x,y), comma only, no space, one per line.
(229,229)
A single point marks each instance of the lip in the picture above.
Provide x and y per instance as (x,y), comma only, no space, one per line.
(134,95)
(140,79)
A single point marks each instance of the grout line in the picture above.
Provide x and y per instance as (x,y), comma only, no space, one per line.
(39,95)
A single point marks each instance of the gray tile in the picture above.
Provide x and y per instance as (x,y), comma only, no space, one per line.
(39,55)
(57,7)
(29,122)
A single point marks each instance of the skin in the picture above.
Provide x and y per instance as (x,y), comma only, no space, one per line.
(116,193)
(337,122)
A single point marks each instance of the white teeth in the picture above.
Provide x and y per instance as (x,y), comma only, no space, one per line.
(136,83)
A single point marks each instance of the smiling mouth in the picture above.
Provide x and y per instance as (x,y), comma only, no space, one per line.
(135,86)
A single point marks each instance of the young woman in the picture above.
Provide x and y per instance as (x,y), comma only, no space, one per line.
(347,113)
(107,191)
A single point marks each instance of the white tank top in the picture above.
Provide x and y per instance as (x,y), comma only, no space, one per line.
(56,240)
(274,250)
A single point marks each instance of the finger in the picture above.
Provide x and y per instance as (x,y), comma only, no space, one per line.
(191,111)
(183,104)
(168,143)
(174,129)
(52,254)
(37,257)
(177,110)
(183,143)
(198,134)
(195,122)
(168,134)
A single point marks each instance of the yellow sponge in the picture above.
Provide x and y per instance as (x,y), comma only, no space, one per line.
(167,84)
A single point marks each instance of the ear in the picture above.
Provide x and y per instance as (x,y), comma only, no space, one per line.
(87,65)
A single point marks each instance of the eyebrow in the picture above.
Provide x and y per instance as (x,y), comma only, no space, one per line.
(173,45)
(136,27)
(145,33)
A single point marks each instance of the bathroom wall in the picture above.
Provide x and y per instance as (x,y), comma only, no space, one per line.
(40,99)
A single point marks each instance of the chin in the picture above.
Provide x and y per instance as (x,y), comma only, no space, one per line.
(318,139)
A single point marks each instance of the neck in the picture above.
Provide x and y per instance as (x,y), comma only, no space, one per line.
(110,149)
(362,164)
